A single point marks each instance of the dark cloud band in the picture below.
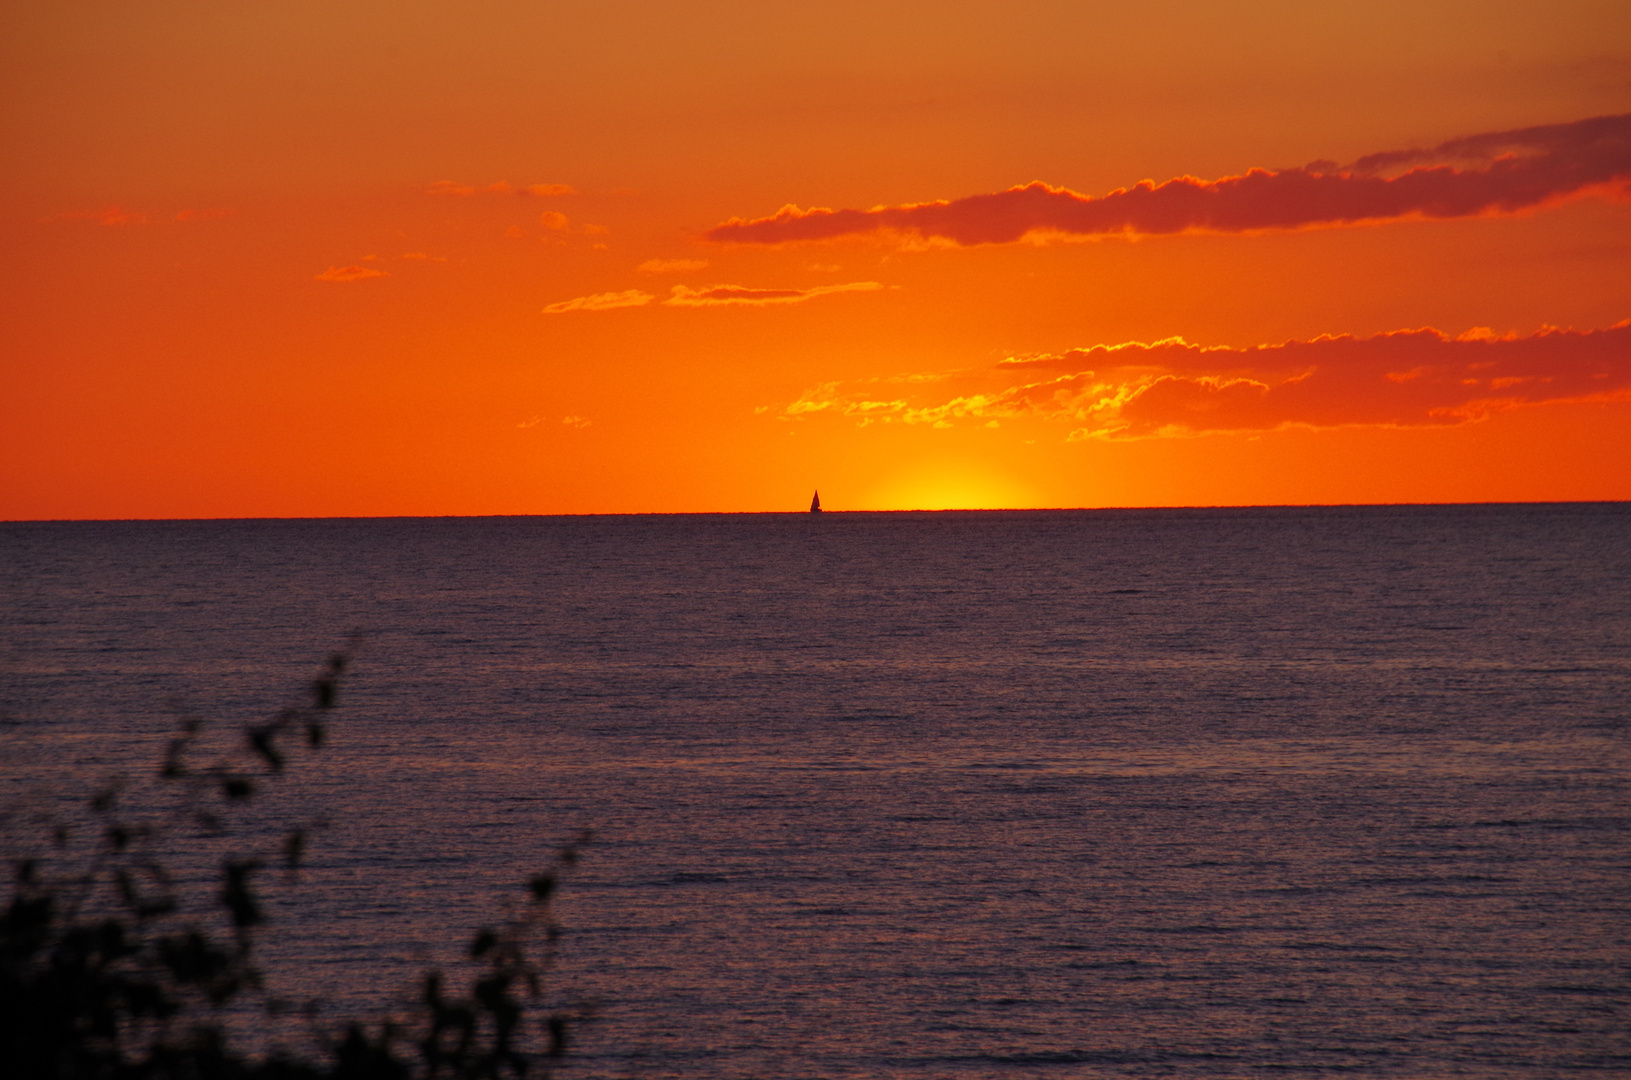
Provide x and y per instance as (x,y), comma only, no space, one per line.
(1409,378)
(1496,172)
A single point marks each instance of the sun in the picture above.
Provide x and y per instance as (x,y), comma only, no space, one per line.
(960,486)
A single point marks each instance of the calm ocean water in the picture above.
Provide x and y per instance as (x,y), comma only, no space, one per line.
(1187,793)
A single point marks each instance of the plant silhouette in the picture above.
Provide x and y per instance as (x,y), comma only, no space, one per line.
(106,971)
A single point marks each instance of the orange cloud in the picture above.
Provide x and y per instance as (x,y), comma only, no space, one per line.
(109,216)
(712,296)
(716,295)
(671,266)
(554,220)
(1406,378)
(1409,378)
(350,273)
(605,301)
(1511,171)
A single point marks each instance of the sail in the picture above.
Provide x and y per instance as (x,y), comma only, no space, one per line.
(815,503)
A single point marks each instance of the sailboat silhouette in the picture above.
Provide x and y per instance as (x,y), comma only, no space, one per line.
(815,503)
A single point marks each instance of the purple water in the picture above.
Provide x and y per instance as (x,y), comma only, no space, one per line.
(1187,793)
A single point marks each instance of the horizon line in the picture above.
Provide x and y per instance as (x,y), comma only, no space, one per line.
(825,511)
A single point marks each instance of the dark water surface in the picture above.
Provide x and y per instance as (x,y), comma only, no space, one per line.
(1069,794)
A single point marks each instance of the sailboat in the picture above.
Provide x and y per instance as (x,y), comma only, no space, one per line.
(815,503)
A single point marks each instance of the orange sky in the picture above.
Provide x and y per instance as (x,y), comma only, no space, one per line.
(504,257)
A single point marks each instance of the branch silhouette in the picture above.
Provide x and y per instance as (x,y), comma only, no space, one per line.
(107,972)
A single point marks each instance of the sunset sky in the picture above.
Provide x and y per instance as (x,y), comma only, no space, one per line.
(502,257)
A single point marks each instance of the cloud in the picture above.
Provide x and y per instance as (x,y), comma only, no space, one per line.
(449,187)
(553,220)
(671,266)
(1493,173)
(605,301)
(110,216)
(717,295)
(353,272)
(712,296)
(117,215)
(1408,378)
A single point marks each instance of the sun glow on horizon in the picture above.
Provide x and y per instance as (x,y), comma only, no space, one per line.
(964,486)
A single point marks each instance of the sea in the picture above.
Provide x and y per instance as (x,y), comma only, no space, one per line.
(1082,793)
